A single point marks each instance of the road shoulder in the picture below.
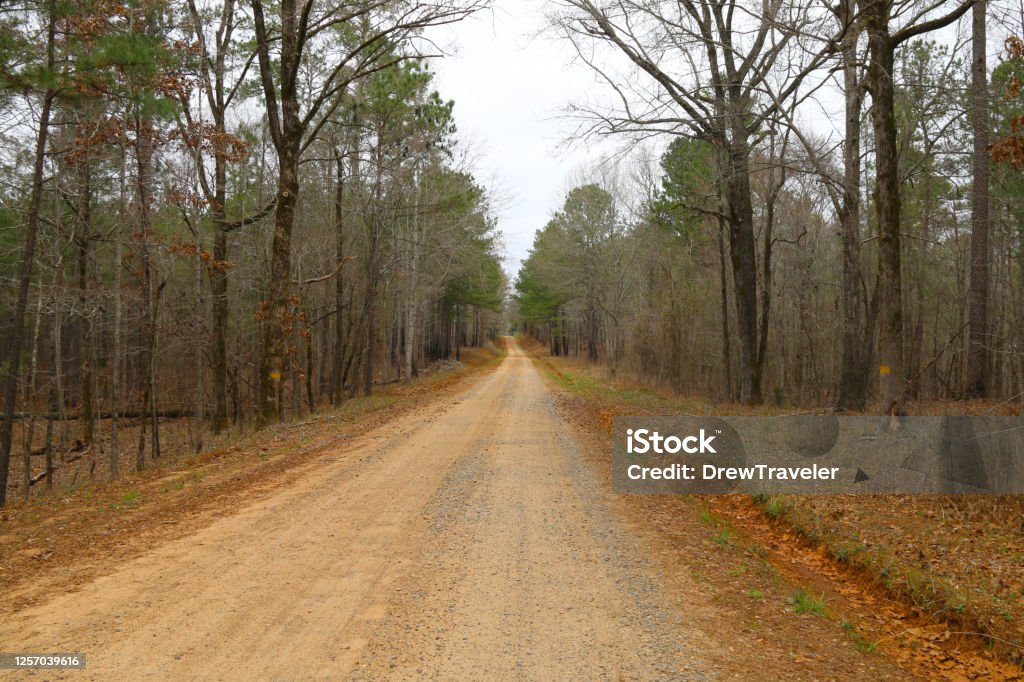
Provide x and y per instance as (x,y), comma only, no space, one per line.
(768,615)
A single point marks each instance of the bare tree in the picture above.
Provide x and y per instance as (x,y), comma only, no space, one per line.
(344,41)
(853,383)
(222,73)
(884,36)
(843,187)
(716,70)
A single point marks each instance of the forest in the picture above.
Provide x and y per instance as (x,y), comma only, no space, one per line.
(741,253)
(292,385)
(230,214)
(226,212)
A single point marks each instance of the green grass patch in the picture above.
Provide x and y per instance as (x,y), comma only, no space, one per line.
(709,518)
(846,551)
(775,506)
(863,645)
(723,536)
(804,601)
(590,384)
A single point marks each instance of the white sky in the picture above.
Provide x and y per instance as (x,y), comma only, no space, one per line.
(509,87)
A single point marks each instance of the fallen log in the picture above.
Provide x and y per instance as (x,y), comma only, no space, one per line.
(42,474)
(127,414)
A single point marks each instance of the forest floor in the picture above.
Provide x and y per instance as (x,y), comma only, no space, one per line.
(937,582)
(465,531)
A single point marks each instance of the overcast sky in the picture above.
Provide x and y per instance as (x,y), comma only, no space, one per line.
(509,87)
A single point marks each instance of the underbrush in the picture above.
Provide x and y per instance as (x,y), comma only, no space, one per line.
(89,472)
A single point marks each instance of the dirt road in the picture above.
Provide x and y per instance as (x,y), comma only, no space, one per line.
(469,540)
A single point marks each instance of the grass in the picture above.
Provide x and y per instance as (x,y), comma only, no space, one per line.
(863,645)
(807,602)
(708,517)
(775,507)
(846,551)
(723,536)
(126,500)
(588,385)
(755,593)
(723,533)
(177,485)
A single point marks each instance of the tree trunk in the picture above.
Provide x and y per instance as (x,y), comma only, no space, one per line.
(276,306)
(887,206)
(49,442)
(310,399)
(916,350)
(591,322)
(13,360)
(458,332)
(724,289)
(743,252)
(115,361)
(219,294)
(410,304)
(766,260)
(144,164)
(876,15)
(58,359)
(30,391)
(373,247)
(286,130)
(339,283)
(977,357)
(140,455)
(369,346)
(853,382)
(213,71)
(411,318)
(197,353)
(84,239)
